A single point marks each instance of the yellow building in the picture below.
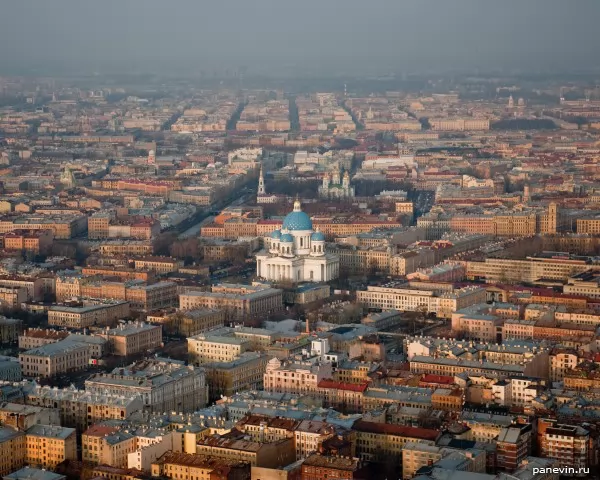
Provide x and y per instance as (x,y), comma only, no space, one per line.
(243,373)
(185,466)
(383,442)
(48,445)
(189,322)
(12,450)
(272,454)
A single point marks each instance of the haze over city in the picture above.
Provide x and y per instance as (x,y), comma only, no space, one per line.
(311,240)
(291,37)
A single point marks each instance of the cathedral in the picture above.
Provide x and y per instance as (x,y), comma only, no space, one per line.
(332,188)
(296,253)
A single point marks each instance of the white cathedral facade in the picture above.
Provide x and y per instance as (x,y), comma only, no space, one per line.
(332,188)
(296,253)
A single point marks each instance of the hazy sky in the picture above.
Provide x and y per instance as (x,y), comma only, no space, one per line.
(273,35)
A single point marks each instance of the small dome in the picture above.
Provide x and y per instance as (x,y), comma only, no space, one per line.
(286,238)
(276,234)
(317,237)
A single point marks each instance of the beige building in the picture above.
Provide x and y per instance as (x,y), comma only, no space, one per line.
(12,450)
(22,417)
(36,337)
(162,385)
(48,445)
(210,347)
(259,454)
(12,297)
(160,265)
(62,226)
(379,442)
(189,322)
(244,373)
(300,378)
(186,466)
(238,301)
(34,286)
(87,313)
(55,359)
(404,298)
(80,409)
(506,270)
(132,338)
(107,445)
(458,124)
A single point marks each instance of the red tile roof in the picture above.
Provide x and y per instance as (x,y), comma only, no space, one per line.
(351,387)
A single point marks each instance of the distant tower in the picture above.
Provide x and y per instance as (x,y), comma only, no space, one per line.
(326,181)
(370,114)
(552,218)
(521,102)
(511,102)
(67,178)
(151,157)
(526,194)
(345,90)
(336,178)
(346,180)
(261,182)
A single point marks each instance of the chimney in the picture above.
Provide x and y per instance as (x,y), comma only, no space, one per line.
(307,326)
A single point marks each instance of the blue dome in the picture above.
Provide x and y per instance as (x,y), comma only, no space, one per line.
(276,234)
(286,238)
(297,221)
(317,237)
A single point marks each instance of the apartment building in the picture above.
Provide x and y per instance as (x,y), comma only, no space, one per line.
(152,297)
(402,297)
(570,445)
(163,385)
(37,242)
(238,301)
(416,455)
(160,265)
(133,337)
(380,442)
(189,322)
(207,347)
(244,373)
(34,286)
(123,273)
(12,297)
(513,446)
(80,409)
(493,270)
(87,313)
(10,328)
(125,247)
(458,124)
(63,227)
(187,466)
(107,445)
(22,417)
(10,369)
(12,450)
(36,337)
(55,359)
(300,378)
(48,445)
(322,467)
(260,454)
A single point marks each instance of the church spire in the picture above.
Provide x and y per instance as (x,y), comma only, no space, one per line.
(261,182)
